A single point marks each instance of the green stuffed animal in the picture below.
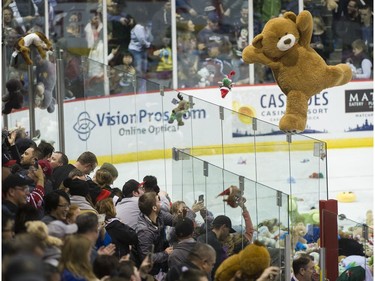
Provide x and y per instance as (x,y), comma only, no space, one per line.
(178,112)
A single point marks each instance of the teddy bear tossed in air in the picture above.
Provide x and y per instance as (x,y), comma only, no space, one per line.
(178,112)
(284,46)
(37,39)
(14,96)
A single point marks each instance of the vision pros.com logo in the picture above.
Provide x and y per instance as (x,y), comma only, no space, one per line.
(84,126)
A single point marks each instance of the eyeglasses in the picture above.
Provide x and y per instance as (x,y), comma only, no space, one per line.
(63,206)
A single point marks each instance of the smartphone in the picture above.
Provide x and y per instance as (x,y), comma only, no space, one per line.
(36,165)
(201,198)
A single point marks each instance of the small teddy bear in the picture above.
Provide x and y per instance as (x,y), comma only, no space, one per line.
(298,233)
(40,229)
(14,98)
(284,46)
(232,196)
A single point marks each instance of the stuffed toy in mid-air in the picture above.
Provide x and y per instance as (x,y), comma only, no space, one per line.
(14,96)
(233,196)
(37,39)
(226,84)
(179,111)
(45,72)
(284,46)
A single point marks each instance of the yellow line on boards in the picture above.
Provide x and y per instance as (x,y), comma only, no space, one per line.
(238,148)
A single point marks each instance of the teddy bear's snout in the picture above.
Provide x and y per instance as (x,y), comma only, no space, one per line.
(286,42)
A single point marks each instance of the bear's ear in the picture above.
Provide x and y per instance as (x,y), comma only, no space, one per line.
(257,41)
(290,15)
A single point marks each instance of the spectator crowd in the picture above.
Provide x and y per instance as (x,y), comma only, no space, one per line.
(210,38)
(58,222)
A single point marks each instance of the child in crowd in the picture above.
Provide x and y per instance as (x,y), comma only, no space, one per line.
(360,61)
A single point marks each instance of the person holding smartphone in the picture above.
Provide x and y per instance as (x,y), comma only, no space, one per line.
(150,231)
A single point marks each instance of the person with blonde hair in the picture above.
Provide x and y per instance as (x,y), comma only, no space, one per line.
(122,235)
(75,259)
(72,214)
(103,177)
(100,185)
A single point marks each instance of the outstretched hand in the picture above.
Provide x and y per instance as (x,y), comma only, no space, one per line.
(197,206)
(241,203)
(108,250)
(270,273)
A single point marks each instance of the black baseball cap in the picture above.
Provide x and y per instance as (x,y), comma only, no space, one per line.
(220,220)
(14,180)
(184,227)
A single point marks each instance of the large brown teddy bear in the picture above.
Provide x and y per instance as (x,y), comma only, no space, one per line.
(250,262)
(284,46)
(37,39)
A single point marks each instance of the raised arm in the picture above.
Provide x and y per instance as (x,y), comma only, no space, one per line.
(305,28)
(254,53)
(249,228)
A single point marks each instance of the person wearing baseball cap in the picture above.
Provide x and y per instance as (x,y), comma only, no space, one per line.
(127,209)
(222,227)
(15,189)
(223,221)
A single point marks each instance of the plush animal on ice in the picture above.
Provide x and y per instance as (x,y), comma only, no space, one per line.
(178,112)
(37,39)
(284,46)
(226,84)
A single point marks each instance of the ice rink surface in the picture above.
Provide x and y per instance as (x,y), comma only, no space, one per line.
(349,170)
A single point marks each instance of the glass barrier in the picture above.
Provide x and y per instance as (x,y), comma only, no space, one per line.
(131,105)
(308,177)
(34,71)
(194,178)
(127,114)
(261,141)
(133,92)
(267,207)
